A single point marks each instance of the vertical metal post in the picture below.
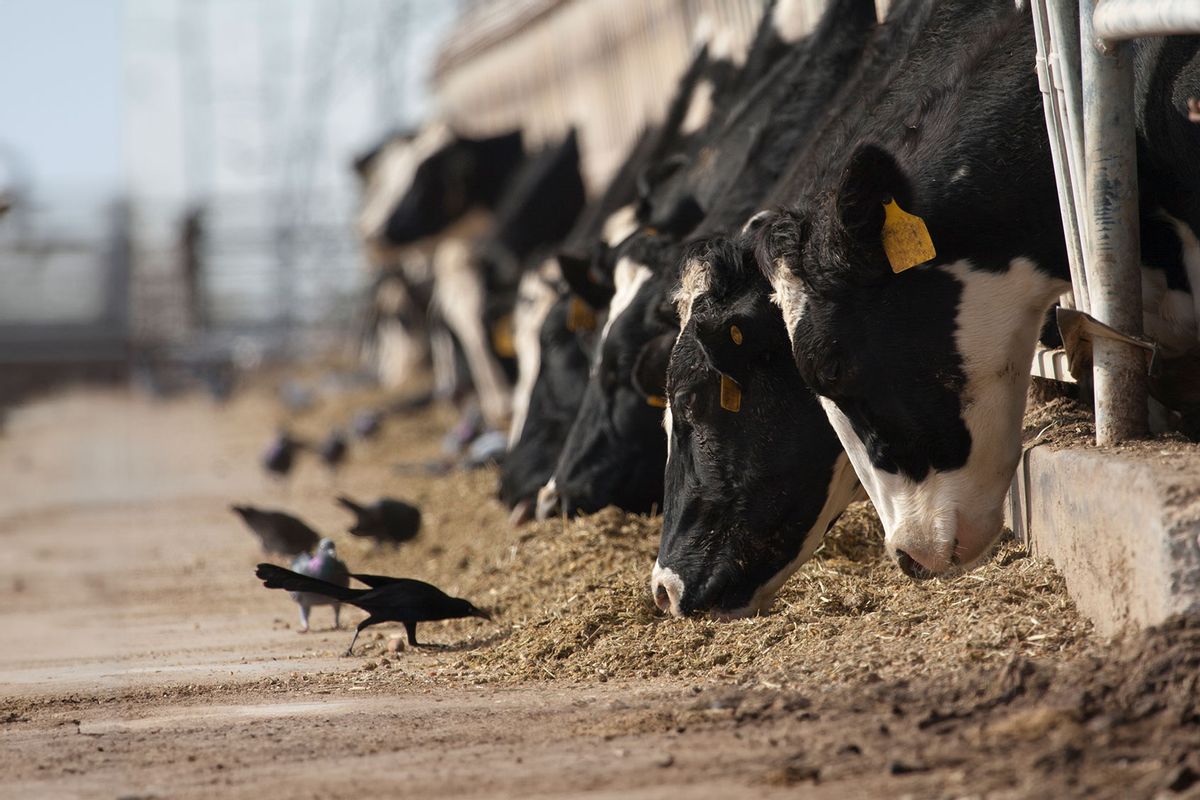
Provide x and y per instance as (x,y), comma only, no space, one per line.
(1113,263)
(1058,70)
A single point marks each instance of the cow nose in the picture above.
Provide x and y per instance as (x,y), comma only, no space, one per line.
(911,567)
(547,501)
(667,588)
(662,598)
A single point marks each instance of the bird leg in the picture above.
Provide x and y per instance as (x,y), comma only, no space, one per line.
(411,627)
(337,614)
(303,619)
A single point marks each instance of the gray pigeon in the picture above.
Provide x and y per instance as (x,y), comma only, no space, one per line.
(323,565)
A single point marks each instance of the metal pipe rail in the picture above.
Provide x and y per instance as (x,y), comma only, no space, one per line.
(1112,260)
(1115,20)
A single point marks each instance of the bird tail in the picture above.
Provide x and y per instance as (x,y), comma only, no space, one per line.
(274,577)
(350,505)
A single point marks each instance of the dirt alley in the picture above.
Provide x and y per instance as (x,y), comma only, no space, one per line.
(142,659)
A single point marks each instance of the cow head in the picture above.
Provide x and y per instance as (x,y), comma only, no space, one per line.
(420,186)
(755,474)
(564,344)
(615,451)
(922,372)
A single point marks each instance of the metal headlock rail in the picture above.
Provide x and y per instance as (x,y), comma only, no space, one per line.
(1086,76)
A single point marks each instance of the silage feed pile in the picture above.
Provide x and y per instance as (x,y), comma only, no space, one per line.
(572,600)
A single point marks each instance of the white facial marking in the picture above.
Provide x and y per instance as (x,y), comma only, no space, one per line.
(620,225)
(700,107)
(790,296)
(669,580)
(669,428)
(393,173)
(535,296)
(628,278)
(695,281)
(547,500)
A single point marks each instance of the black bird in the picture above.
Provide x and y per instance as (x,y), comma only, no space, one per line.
(281,455)
(385,520)
(278,532)
(401,600)
(333,450)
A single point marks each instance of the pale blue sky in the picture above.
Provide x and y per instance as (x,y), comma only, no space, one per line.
(60,93)
(90,99)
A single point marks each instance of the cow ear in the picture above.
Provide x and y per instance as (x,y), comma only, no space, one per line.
(683,217)
(871,179)
(579,275)
(650,368)
(656,173)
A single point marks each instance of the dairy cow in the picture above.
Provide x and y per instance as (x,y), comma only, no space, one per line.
(920,352)
(755,481)
(554,348)
(783,99)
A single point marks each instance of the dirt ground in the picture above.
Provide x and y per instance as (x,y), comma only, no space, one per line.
(142,658)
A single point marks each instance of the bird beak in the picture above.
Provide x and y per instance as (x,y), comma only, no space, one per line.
(479,612)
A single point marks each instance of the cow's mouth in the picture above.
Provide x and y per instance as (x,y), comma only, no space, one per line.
(915,570)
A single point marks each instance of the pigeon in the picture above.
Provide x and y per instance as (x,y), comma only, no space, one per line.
(400,600)
(385,520)
(280,456)
(367,423)
(324,565)
(333,450)
(278,533)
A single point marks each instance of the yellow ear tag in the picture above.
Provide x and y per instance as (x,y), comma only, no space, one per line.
(658,401)
(580,316)
(502,337)
(905,238)
(735,333)
(731,394)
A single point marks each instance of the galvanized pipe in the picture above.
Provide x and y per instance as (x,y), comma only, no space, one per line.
(1057,67)
(1112,258)
(1129,19)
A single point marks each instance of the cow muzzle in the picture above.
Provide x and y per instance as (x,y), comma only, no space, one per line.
(548,501)
(667,588)
(951,543)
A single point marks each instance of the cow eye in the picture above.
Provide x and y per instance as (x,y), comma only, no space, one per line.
(829,372)
(684,401)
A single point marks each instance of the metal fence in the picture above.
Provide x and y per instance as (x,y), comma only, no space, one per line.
(64,277)
(102,288)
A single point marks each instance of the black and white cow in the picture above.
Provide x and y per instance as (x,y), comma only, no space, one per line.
(922,361)
(646,264)
(555,331)
(615,451)
(484,208)
(541,401)
(755,475)
(438,180)
(566,340)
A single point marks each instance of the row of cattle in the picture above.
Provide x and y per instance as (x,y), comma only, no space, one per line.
(822,275)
